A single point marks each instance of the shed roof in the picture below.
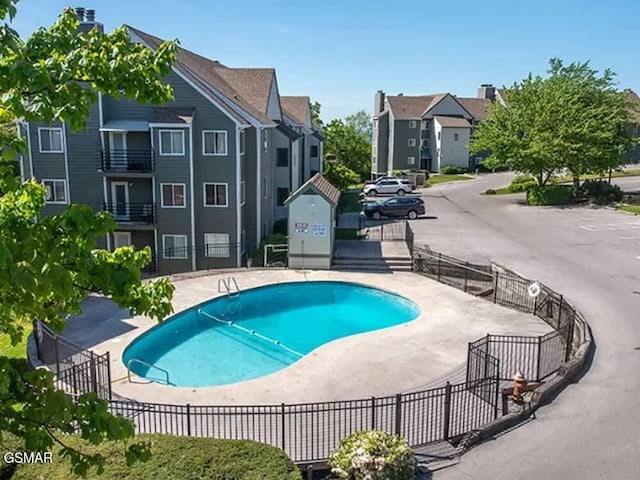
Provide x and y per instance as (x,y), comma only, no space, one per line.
(320,185)
(177,115)
(454,122)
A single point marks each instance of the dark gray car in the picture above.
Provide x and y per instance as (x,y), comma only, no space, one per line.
(395,207)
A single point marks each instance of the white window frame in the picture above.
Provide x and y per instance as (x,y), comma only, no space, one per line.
(53,190)
(209,254)
(243,141)
(264,187)
(412,142)
(204,194)
(50,129)
(172,154)
(412,124)
(164,246)
(226,143)
(120,234)
(411,160)
(456,137)
(243,192)
(184,195)
(243,242)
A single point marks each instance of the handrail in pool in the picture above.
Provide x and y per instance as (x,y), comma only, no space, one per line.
(227,284)
(250,332)
(147,365)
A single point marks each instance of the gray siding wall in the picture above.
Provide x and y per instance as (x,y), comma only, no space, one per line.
(383,145)
(281,175)
(268,196)
(140,189)
(249,211)
(401,148)
(448,106)
(314,162)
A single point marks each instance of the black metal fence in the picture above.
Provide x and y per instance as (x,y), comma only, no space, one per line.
(309,432)
(132,212)
(384,229)
(134,161)
(77,369)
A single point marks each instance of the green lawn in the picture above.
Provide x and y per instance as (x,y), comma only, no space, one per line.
(441,178)
(175,457)
(629,208)
(15,351)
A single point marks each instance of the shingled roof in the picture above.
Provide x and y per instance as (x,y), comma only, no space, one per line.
(412,107)
(454,122)
(320,185)
(243,87)
(172,115)
(298,108)
(477,107)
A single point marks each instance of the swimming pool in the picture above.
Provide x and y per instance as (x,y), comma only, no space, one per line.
(260,331)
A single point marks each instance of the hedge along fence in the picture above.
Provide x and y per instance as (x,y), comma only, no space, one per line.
(309,432)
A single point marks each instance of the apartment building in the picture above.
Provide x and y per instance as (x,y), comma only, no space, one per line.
(426,132)
(200,180)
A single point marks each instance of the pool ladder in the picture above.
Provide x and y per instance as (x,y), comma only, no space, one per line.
(229,286)
(135,360)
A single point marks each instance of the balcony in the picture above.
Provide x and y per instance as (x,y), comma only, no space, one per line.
(129,213)
(126,161)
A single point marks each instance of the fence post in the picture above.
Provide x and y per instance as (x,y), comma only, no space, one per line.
(538,362)
(466,276)
(495,288)
(398,412)
(486,357)
(35,337)
(57,353)
(373,413)
(188,420)
(469,360)
(439,265)
(535,304)
(447,411)
(109,374)
(283,422)
(569,340)
(497,391)
(92,372)
(560,312)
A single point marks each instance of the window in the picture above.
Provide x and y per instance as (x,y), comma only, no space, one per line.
(439,135)
(56,191)
(314,151)
(412,142)
(411,160)
(216,245)
(478,160)
(50,140)
(243,141)
(282,193)
(456,137)
(214,142)
(425,125)
(412,124)
(172,195)
(266,142)
(174,246)
(282,157)
(215,195)
(265,191)
(171,142)
(243,192)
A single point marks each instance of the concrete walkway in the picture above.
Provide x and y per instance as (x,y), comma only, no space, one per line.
(377,363)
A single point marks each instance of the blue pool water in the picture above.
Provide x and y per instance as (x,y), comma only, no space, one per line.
(198,347)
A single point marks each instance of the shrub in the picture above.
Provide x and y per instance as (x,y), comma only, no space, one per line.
(177,457)
(522,179)
(490,191)
(549,195)
(601,192)
(275,238)
(281,226)
(373,455)
(452,170)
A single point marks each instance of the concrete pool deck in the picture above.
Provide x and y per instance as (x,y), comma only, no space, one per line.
(378,363)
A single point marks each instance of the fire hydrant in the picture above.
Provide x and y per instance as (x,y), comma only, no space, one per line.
(519,387)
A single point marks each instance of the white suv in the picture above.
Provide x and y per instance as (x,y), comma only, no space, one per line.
(388,186)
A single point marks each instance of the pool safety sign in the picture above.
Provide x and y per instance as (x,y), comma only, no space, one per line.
(319,230)
(302,227)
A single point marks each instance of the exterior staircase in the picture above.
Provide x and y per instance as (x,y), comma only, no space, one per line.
(374,264)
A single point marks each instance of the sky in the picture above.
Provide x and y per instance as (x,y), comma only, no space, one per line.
(341,52)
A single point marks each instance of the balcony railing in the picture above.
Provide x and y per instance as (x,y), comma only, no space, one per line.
(132,212)
(134,161)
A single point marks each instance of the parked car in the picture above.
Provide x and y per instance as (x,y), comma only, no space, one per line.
(380,179)
(395,207)
(389,186)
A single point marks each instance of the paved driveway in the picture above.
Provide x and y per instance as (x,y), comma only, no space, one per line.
(593,257)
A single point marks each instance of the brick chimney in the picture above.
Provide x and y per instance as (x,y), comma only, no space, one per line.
(378,103)
(486,90)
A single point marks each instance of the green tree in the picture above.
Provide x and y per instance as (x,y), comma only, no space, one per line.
(340,175)
(49,264)
(348,140)
(315,114)
(361,123)
(572,119)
